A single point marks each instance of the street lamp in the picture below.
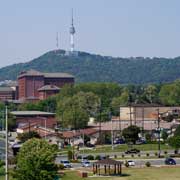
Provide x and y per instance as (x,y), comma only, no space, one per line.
(6,155)
(159,144)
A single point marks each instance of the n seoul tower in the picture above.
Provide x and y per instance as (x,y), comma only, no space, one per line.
(72,32)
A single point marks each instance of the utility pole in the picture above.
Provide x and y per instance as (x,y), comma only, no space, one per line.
(100,123)
(159,143)
(120,120)
(112,133)
(143,120)
(130,115)
(6,156)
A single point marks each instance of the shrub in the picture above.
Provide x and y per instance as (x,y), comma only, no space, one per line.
(122,155)
(132,155)
(79,157)
(2,171)
(165,152)
(148,164)
(115,156)
(147,154)
(126,164)
(139,155)
(74,160)
(70,155)
(60,166)
(156,154)
(90,157)
(12,160)
(2,163)
(98,157)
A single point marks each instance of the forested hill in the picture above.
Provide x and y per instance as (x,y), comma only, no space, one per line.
(95,68)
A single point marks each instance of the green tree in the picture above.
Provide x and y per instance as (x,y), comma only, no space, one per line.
(170,93)
(151,93)
(35,161)
(177,131)
(28,135)
(131,134)
(164,135)
(74,112)
(174,142)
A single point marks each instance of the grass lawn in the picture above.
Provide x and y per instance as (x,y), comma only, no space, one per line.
(152,173)
(118,148)
(123,148)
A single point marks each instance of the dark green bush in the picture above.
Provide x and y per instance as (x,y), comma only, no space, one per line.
(70,155)
(148,164)
(60,166)
(98,157)
(90,157)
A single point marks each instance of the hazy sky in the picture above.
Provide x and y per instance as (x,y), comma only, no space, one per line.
(108,27)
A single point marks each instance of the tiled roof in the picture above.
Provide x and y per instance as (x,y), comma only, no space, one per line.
(70,134)
(107,161)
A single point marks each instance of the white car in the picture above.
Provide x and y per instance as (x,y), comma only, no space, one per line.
(131,163)
(86,164)
(66,164)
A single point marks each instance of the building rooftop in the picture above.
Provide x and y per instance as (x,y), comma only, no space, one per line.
(6,89)
(71,134)
(108,161)
(34,113)
(33,72)
(49,88)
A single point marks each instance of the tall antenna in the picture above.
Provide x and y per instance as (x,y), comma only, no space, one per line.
(57,40)
(72,32)
(72,18)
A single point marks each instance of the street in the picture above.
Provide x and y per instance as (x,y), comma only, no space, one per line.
(138,162)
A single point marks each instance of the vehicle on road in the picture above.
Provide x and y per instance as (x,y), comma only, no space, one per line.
(66,164)
(119,141)
(90,145)
(86,164)
(170,161)
(132,151)
(138,142)
(131,163)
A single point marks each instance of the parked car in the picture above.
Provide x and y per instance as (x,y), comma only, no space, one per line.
(86,164)
(132,151)
(119,141)
(66,164)
(131,163)
(170,161)
(140,141)
(90,145)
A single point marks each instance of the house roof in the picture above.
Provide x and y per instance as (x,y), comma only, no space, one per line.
(33,72)
(107,161)
(27,113)
(88,131)
(49,88)
(28,126)
(148,125)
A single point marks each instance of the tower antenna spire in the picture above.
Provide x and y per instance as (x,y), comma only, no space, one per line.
(72,32)
(57,40)
(72,18)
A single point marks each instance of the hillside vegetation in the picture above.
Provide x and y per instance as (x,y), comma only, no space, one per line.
(95,68)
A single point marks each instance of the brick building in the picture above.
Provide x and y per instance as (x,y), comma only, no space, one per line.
(7,93)
(48,90)
(33,84)
(39,118)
